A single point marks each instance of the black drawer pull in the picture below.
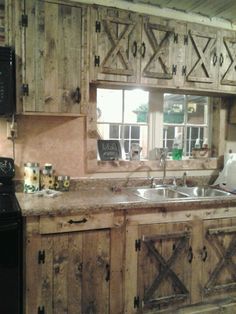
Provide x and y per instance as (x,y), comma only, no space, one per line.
(82,221)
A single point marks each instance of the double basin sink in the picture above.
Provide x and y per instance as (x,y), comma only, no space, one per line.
(177,192)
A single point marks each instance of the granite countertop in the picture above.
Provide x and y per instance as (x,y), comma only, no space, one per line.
(99,200)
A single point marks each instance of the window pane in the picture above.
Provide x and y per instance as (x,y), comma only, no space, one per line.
(136,106)
(194,133)
(126,131)
(109,105)
(171,133)
(173,110)
(196,109)
(135,132)
(114,131)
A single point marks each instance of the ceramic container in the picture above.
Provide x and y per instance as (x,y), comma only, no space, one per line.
(31,177)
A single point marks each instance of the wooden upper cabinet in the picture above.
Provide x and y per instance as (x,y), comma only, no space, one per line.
(201,57)
(126,47)
(227,61)
(159,51)
(53,57)
(114,45)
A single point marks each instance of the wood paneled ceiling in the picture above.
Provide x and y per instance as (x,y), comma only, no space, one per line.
(223,9)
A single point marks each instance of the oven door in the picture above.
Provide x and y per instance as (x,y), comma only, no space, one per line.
(10,266)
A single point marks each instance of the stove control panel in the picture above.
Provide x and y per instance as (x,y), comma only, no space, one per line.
(7,168)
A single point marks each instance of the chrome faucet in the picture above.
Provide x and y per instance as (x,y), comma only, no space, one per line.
(163,163)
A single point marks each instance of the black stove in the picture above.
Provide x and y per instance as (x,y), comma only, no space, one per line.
(10,242)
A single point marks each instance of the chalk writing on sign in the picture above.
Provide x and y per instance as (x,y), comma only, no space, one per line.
(109,149)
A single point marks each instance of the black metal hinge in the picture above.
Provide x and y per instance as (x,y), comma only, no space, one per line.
(41,310)
(25,89)
(176,38)
(97,26)
(184,70)
(24,20)
(96,61)
(137,245)
(185,39)
(41,257)
(174,69)
(136,302)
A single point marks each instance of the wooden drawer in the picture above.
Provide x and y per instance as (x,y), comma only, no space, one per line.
(71,223)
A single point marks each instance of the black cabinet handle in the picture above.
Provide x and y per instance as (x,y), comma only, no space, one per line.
(76,95)
(107,272)
(82,221)
(204,254)
(221,59)
(214,59)
(134,48)
(190,255)
(143,49)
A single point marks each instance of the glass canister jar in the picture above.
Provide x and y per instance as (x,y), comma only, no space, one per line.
(31,177)
(47,178)
(62,183)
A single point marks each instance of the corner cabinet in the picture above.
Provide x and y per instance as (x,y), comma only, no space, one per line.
(180,261)
(54,36)
(74,264)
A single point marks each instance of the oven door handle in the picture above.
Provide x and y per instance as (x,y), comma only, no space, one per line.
(8,226)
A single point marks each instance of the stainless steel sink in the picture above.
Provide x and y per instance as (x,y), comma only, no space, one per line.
(171,192)
(204,191)
(158,193)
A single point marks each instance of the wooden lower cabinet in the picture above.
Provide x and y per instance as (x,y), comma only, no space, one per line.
(71,272)
(183,267)
(137,262)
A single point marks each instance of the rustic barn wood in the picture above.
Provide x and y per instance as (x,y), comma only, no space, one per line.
(53,43)
(225,255)
(166,271)
(160,52)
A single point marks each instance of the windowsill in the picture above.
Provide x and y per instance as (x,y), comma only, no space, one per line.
(154,165)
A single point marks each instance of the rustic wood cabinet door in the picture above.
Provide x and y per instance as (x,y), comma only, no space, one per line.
(227,61)
(53,57)
(69,273)
(160,51)
(219,259)
(114,45)
(164,266)
(201,69)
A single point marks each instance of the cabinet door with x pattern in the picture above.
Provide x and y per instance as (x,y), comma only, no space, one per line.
(201,57)
(114,45)
(158,51)
(227,61)
(164,266)
(219,267)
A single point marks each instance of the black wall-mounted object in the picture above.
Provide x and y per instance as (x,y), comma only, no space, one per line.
(7,81)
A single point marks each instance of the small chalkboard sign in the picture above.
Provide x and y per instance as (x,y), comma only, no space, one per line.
(109,149)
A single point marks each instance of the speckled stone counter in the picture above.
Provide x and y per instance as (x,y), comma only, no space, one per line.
(99,200)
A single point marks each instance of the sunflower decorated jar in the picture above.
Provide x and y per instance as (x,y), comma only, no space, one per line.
(62,183)
(47,178)
(31,177)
